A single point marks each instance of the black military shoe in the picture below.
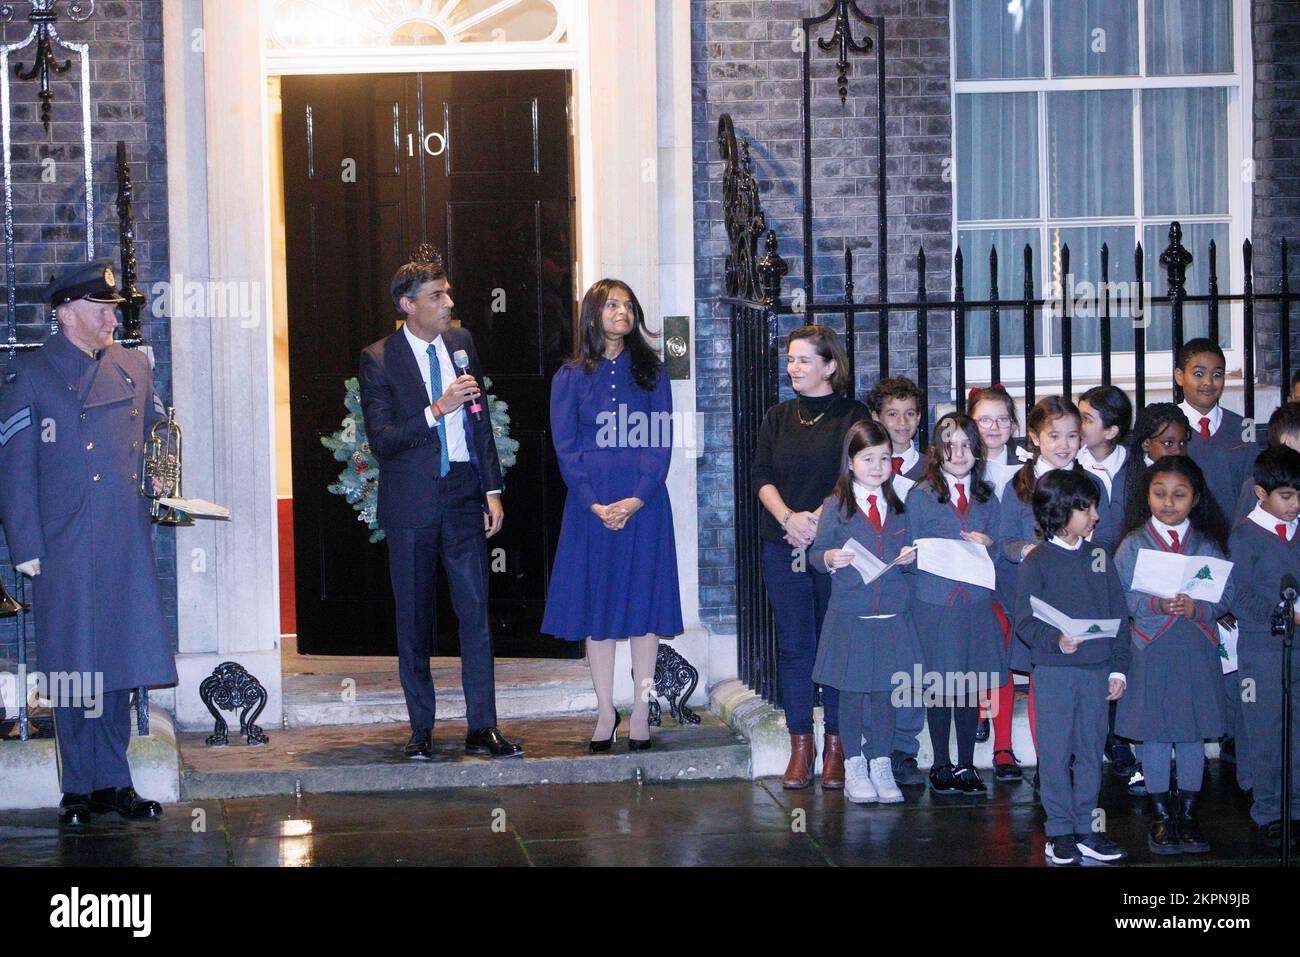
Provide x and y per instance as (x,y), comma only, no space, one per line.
(125,802)
(905,769)
(420,747)
(74,810)
(489,742)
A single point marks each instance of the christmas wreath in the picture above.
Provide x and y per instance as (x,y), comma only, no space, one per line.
(358,483)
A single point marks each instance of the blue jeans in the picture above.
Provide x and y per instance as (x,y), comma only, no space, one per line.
(799,600)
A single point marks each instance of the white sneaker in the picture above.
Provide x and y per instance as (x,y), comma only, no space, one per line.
(882,779)
(857,781)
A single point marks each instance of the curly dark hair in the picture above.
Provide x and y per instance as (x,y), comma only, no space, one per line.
(981,490)
(863,434)
(898,387)
(1058,495)
(589,337)
(1207,518)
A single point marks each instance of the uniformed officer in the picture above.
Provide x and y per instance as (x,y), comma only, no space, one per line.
(74,418)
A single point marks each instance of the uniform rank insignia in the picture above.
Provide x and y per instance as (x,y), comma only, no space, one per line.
(11,426)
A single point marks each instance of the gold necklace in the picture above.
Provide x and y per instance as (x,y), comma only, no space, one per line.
(802,420)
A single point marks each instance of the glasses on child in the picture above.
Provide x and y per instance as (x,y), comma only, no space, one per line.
(988,421)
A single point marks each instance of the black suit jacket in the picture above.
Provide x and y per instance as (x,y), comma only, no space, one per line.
(393,400)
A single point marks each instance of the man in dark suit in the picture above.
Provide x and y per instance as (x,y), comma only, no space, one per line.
(74,417)
(439,496)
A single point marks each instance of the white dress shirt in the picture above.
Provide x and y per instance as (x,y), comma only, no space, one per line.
(1194,417)
(1270,522)
(1106,469)
(1181,528)
(457,448)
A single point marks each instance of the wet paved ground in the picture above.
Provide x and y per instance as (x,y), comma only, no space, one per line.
(736,823)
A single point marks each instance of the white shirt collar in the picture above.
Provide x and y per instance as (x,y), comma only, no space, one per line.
(1003,457)
(1106,469)
(1042,467)
(1058,540)
(1147,460)
(909,457)
(1270,522)
(1194,417)
(420,347)
(860,493)
(1164,529)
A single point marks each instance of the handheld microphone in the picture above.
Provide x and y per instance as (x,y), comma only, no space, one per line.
(461,358)
(1289,588)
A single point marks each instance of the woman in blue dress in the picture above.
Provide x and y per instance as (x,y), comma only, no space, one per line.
(615,572)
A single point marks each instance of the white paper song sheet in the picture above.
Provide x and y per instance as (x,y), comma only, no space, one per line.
(1228,635)
(1167,574)
(1083,629)
(198,508)
(868,565)
(957,559)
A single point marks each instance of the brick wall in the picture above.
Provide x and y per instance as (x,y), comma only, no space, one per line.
(744,62)
(1276,213)
(126,90)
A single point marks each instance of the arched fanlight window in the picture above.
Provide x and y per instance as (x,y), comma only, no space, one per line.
(374,24)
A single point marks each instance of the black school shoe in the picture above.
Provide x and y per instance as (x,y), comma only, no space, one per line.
(982,730)
(969,782)
(943,780)
(1097,847)
(1007,770)
(906,770)
(1122,759)
(74,811)
(1063,851)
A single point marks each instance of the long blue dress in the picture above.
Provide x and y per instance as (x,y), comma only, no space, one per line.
(613,584)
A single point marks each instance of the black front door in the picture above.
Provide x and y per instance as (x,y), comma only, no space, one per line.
(478,164)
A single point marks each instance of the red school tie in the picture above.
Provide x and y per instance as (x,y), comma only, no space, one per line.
(962,504)
(1205,427)
(1174,536)
(1281,531)
(874,513)
(898,464)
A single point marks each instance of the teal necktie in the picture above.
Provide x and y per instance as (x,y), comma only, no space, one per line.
(435,381)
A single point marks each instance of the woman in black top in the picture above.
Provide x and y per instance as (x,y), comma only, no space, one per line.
(796,464)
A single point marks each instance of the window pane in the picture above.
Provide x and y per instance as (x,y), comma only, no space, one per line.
(1184,152)
(1189,36)
(997,40)
(997,156)
(1094,38)
(975,247)
(1090,153)
(1083,285)
(1196,316)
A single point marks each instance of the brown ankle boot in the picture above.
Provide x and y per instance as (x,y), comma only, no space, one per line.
(803,756)
(832,763)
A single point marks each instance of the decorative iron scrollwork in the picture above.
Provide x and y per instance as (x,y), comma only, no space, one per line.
(1176,258)
(843,37)
(747,276)
(230,687)
(675,679)
(43,16)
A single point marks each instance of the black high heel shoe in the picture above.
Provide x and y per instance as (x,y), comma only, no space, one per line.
(600,747)
(634,745)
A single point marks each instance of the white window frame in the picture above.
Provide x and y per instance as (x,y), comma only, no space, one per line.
(1086,370)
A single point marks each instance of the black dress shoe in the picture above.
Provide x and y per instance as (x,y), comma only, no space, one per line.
(968,780)
(600,747)
(420,747)
(982,730)
(125,802)
(490,743)
(943,779)
(74,809)
(1007,770)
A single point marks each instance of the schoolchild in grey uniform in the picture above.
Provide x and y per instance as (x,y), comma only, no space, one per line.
(1074,679)
(1161,429)
(1264,549)
(897,403)
(1053,433)
(1175,697)
(960,634)
(994,411)
(868,639)
(1107,419)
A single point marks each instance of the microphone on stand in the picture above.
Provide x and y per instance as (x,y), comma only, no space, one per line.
(461,358)
(1290,590)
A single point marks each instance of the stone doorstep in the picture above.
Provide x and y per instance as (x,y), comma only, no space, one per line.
(763,726)
(30,774)
(367,757)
